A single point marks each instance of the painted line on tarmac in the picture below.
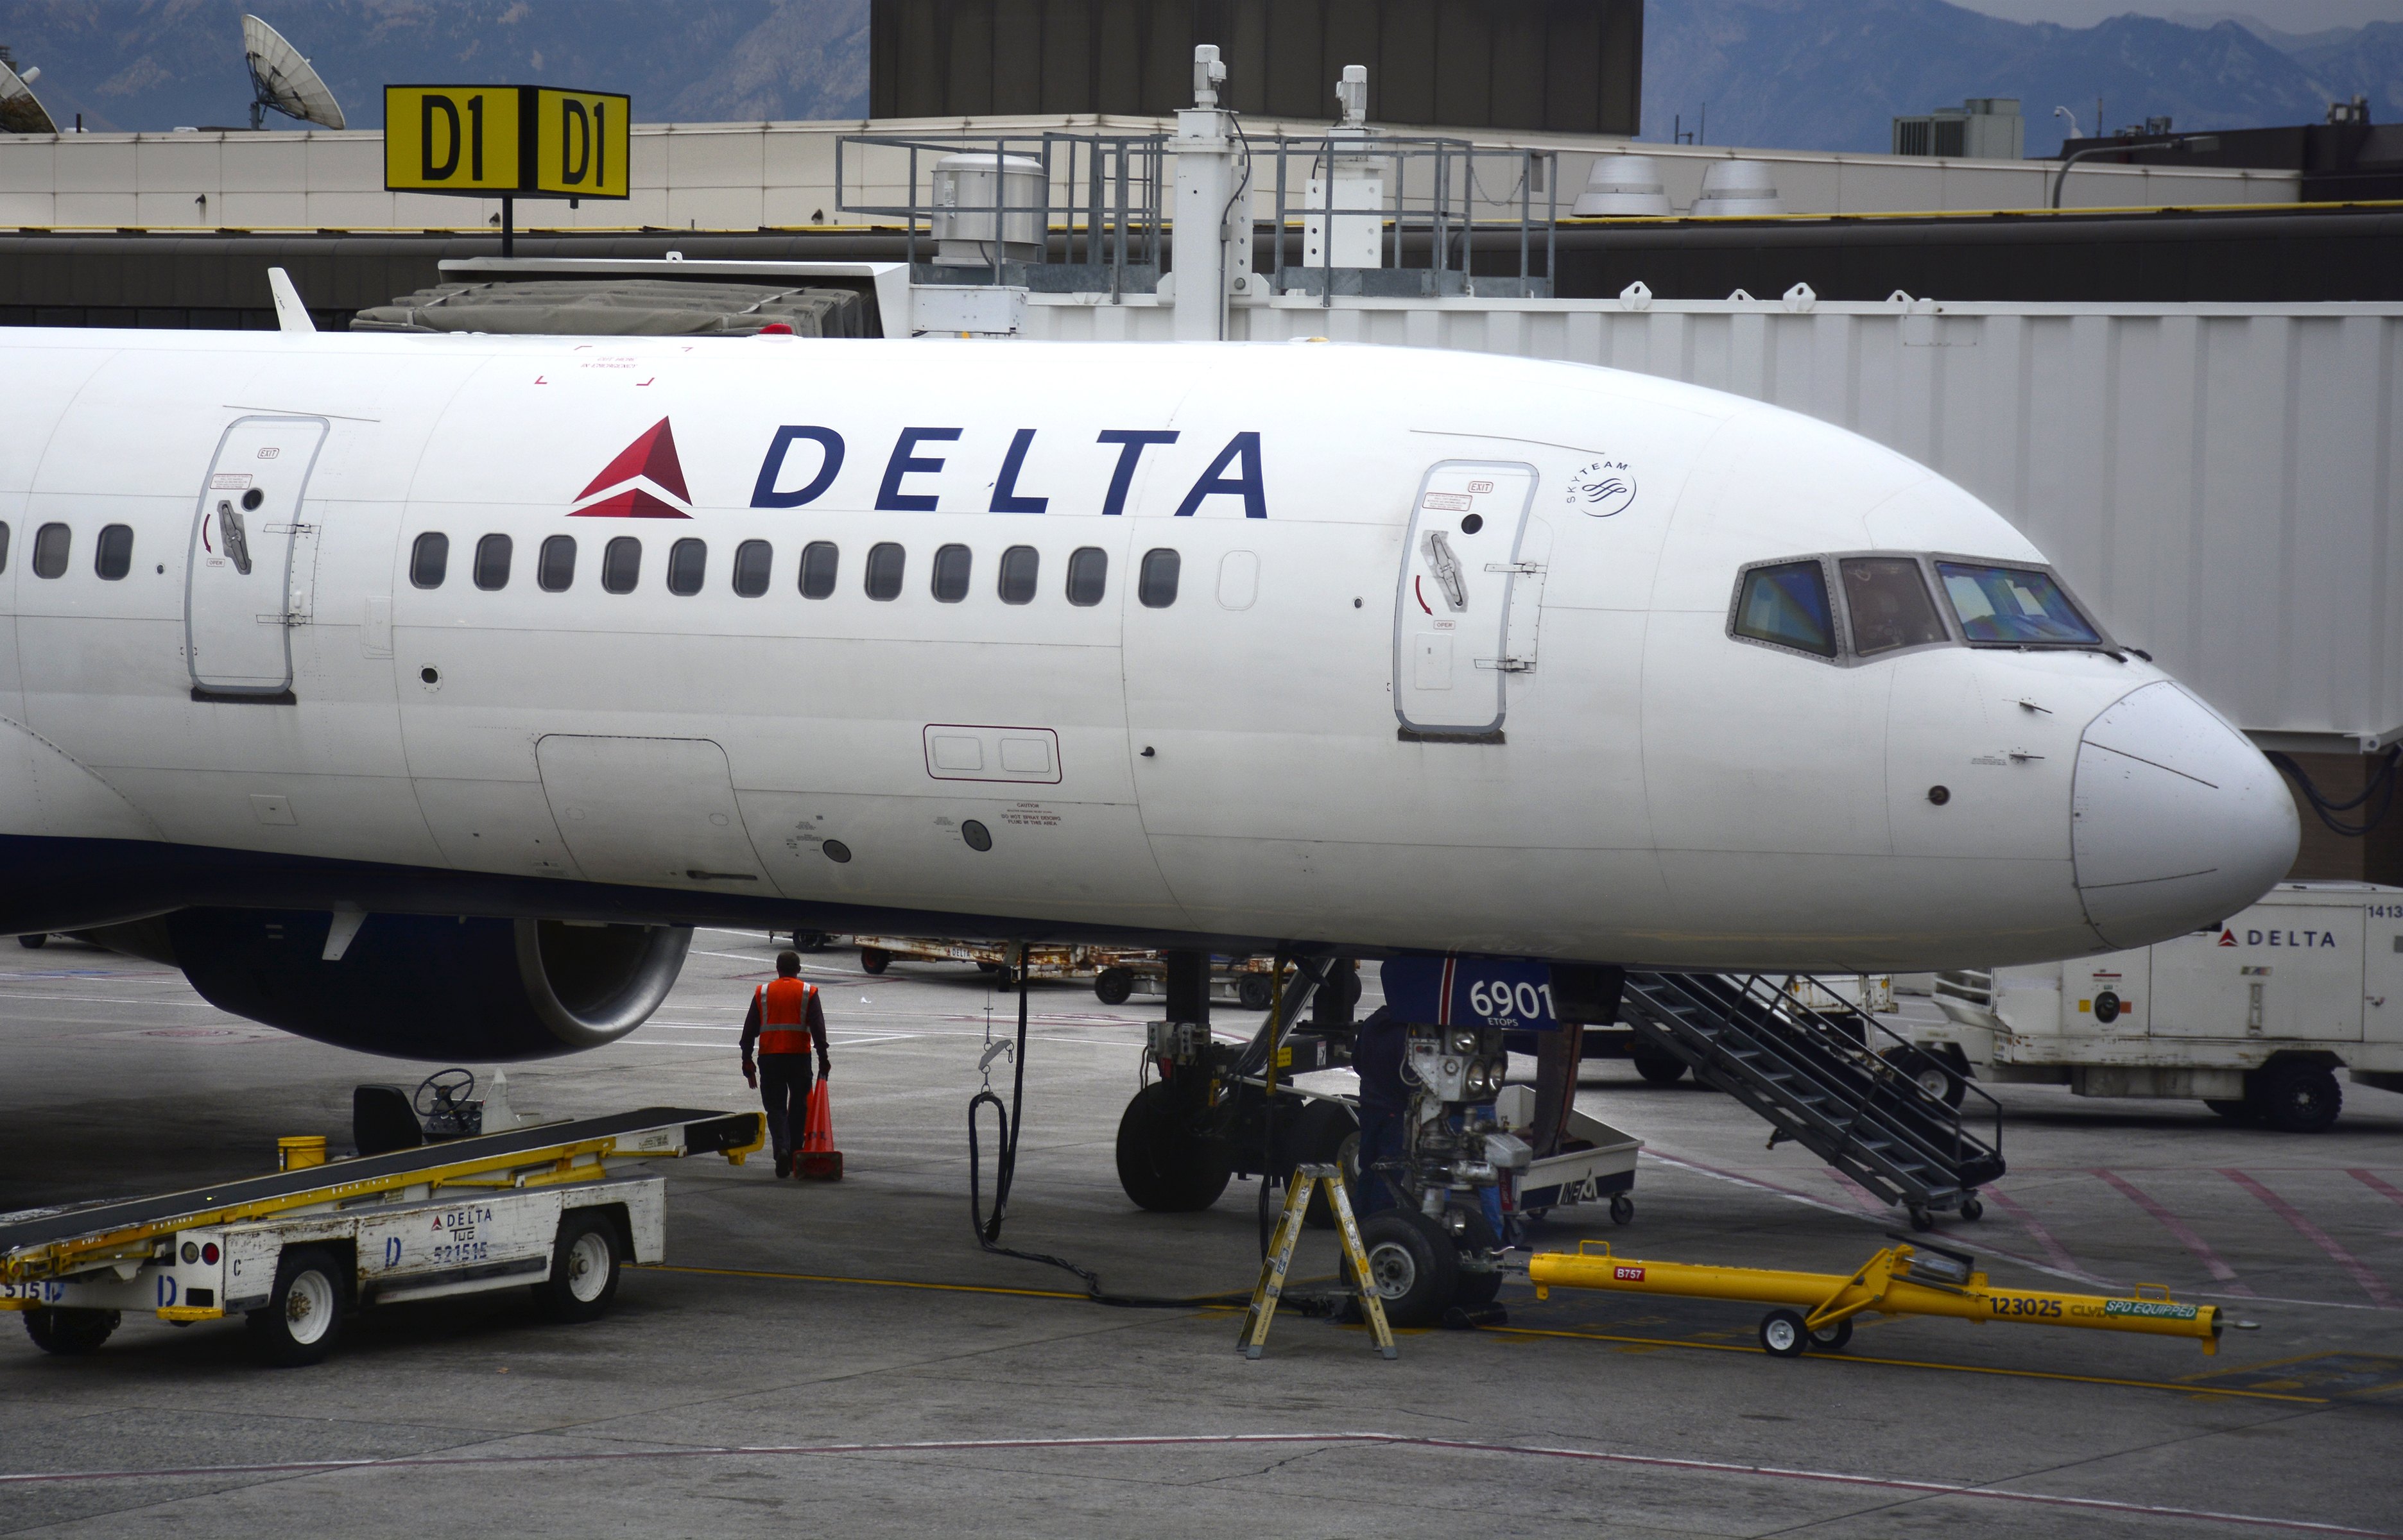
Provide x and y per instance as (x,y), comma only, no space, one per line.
(1390,1441)
(2370,1283)
(2052,1248)
(2377,1184)
(2179,1229)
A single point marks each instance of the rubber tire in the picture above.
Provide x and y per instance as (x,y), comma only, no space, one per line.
(1934,1077)
(1922,1220)
(875,959)
(1161,1167)
(1253,992)
(558,1293)
(1407,1249)
(1111,986)
(1475,1290)
(1658,1068)
(35,943)
(1319,1135)
(1972,1209)
(2296,1097)
(270,1333)
(1622,1209)
(70,1333)
(1832,1338)
(1782,1334)
(2238,1110)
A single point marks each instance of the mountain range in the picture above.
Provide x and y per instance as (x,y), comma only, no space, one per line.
(1799,74)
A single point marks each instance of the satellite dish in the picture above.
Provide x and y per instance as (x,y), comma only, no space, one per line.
(20,110)
(281,80)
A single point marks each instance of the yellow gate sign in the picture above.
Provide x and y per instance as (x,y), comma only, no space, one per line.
(506,141)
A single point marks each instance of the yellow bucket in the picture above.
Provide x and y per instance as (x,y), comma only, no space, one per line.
(300,1150)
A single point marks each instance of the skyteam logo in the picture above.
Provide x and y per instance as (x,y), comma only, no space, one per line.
(635,481)
(1602,489)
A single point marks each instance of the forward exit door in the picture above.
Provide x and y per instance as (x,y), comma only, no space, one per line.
(239,603)
(1452,619)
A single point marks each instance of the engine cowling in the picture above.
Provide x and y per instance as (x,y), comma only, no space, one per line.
(424,987)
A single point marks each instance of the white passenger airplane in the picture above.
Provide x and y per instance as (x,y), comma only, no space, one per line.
(413,693)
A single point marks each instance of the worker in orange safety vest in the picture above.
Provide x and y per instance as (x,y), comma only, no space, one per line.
(786,1021)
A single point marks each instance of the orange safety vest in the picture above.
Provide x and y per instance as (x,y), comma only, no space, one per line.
(785,1016)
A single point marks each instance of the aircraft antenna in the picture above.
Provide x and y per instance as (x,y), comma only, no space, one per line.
(281,80)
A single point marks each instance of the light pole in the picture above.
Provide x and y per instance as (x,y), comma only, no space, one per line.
(2188,142)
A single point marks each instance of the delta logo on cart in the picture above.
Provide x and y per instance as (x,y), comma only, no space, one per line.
(640,482)
(2279,938)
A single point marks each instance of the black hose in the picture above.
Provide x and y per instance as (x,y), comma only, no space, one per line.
(2381,784)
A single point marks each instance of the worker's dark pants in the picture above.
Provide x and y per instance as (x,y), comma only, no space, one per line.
(785,1089)
(1381,1139)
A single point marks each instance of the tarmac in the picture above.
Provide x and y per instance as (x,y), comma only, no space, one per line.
(843,1358)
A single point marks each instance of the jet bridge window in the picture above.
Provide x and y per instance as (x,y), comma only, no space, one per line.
(621,564)
(1088,574)
(492,561)
(1887,597)
(951,564)
(1786,606)
(556,570)
(751,561)
(429,560)
(2016,605)
(114,558)
(885,562)
(1156,585)
(1020,567)
(687,565)
(819,559)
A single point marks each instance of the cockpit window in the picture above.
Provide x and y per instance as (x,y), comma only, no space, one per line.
(1787,606)
(2013,604)
(1887,597)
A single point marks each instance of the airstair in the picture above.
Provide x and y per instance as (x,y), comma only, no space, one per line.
(1816,1079)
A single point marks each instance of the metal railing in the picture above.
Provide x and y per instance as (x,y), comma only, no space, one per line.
(1428,195)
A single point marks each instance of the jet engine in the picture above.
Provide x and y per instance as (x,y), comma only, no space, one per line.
(430,987)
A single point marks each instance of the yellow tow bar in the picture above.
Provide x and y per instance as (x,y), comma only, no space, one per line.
(1816,1308)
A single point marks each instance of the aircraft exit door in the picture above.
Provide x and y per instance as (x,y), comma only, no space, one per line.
(1452,619)
(238,597)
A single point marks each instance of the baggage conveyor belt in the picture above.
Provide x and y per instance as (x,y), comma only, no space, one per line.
(45,1243)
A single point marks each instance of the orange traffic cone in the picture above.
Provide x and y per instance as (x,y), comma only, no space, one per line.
(817,1158)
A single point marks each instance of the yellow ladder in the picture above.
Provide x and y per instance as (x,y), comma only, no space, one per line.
(1253,1340)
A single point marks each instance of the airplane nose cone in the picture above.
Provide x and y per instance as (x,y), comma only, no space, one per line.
(2177,820)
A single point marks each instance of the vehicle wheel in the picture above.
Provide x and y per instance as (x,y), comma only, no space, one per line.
(1622,1209)
(875,959)
(1972,1209)
(70,1333)
(811,940)
(1253,992)
(1112,986)
(1475,1290)
(584,1267)
(1782,1334)
(2238,1110)
(1163,1165)
(1932,1074)
(1661,1069)
(2296,1097)
(35,942)
(304,1315)
(1922,1220)
(1411,1266)
(1832,1338)
(995,969)
(1318,1138)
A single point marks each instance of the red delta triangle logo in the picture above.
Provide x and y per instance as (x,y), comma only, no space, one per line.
(2227,938)
(643,469)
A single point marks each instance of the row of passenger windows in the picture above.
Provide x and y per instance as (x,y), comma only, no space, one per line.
(112,555)
(1018,578)
(1887,602)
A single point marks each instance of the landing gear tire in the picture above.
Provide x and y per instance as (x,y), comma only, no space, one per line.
(1253,991)
(1112,986)
(70,1333)
(1832,1338)
(2296,1098)
(1931,1074)
(34,942)
(1658,1068)
(875,959)
(304,1315)
(2238,1110)
(1163,1166)
(584,1267)
(1783,1334)
(1622,1209)
(1412,1265)
(1972,1209)
(1475,1290)
(1319,1136)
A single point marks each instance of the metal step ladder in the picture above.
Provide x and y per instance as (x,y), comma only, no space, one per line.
(1815,1078)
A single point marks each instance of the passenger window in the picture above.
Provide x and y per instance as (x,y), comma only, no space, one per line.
(1088,574)
(688,564)
(115,556)
(1887,600)
(429,560)
(885,561)
(951,563)
(752,560)
(1020,567)
(50,546)
(2010,604)
(492,561)
(621,564)
(4,545)
(556,571)
(819,559)
(1156,586)
(1787,606)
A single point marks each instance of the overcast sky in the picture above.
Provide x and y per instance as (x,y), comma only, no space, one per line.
(2285,15)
